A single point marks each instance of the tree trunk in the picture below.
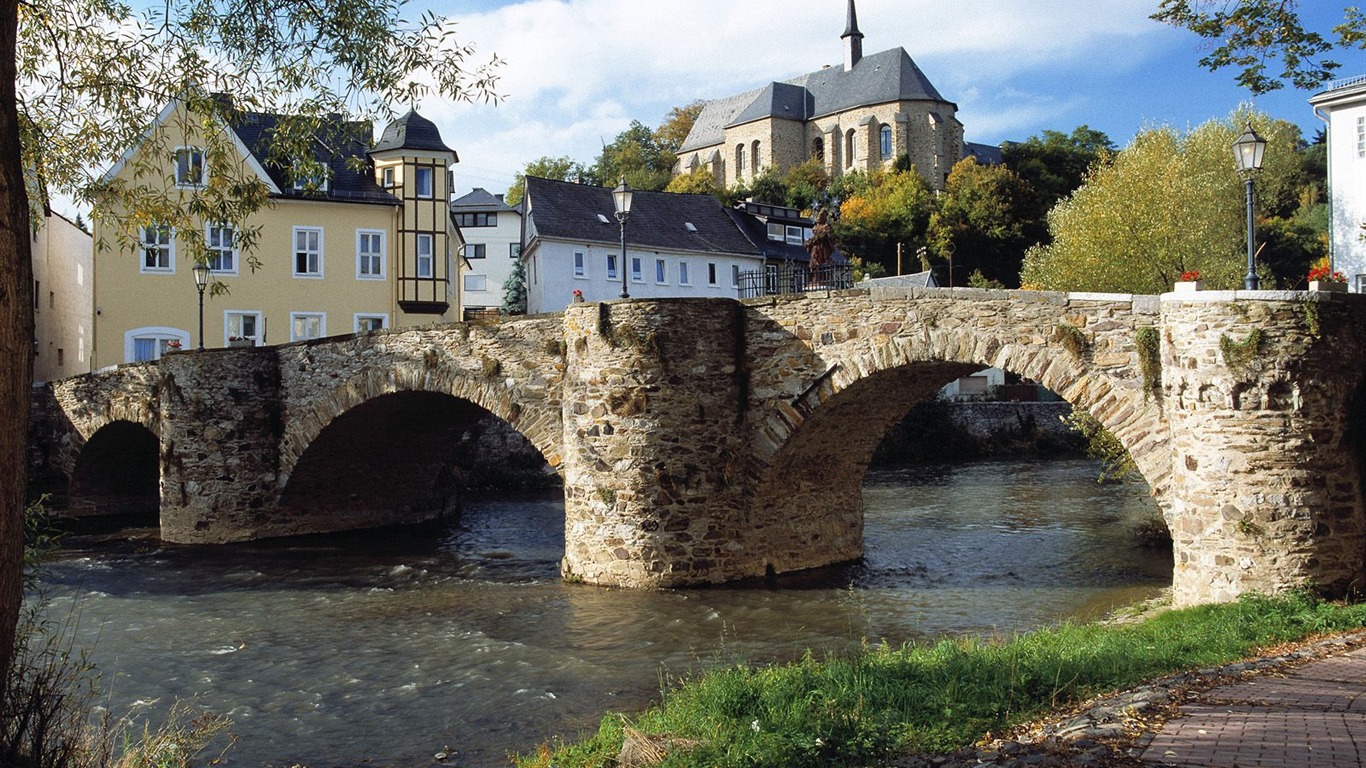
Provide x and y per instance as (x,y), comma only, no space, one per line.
(16,340)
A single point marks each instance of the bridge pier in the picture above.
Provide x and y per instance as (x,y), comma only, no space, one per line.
(220,438)
(1266,490)
(655,450)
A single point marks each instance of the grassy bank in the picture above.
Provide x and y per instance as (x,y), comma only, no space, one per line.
(865,708)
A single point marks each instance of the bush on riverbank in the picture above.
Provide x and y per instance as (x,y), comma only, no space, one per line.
(869,707)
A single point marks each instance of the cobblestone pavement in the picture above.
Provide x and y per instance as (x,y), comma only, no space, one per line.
(1311,716)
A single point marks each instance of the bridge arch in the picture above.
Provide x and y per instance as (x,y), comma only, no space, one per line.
(868,363)
(117,472)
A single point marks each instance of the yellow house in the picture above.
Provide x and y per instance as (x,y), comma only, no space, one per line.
(355,238)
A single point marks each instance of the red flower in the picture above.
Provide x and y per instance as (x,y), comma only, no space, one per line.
(1190,276)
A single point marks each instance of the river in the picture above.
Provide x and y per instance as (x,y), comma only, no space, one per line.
(382,649)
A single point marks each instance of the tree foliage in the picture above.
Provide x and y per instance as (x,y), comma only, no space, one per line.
(981,220)
(514,291)
(1165,205)
(671,133)
(555,168)
(883,209)
(83,79)
(637,156)
(1259,37)
(1054,164)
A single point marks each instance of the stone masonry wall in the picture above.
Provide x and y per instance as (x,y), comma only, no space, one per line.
(1266,490)
(654,453)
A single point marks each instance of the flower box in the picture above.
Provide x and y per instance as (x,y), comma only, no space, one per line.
(1188,286)
(234,343)
(1331,286)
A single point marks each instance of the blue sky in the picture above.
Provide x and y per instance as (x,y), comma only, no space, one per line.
(578,72)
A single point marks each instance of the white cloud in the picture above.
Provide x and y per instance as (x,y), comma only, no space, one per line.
(578,71)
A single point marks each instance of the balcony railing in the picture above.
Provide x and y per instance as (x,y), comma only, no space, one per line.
(775,280)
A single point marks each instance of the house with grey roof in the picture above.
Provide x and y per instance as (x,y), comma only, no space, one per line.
(855,117)
(676,246)
(492,231)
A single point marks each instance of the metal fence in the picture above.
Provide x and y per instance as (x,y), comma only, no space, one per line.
(774,280)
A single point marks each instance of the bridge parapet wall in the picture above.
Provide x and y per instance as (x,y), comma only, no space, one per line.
(1262,394)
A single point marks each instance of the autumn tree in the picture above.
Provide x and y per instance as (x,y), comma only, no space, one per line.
(1258,37)
(671,133)
(1164,205)
(1054,164)
(637,156)
(981,220)
(700,182)
(81,82)
(555,168)
(884,209)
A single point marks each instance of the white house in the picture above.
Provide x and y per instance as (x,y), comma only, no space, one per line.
(677,246)
(492,230)
(63,299)
(1343,108)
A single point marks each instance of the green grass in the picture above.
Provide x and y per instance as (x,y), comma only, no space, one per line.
(867,707)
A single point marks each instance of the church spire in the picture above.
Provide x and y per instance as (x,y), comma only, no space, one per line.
(853,40)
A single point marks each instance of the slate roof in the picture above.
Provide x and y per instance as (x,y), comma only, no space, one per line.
(561,210)
(339,142)
(412,131)
(877,79)
(986,154)
(479,199)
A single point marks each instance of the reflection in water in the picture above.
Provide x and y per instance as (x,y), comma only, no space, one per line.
(384,649)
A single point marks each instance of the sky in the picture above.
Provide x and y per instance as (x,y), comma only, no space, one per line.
(577,72)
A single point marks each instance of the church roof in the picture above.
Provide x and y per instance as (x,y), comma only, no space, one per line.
(561,210)
(412,132)
(877,79)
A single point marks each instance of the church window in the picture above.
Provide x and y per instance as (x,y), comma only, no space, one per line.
(818,149)
(754,156)
(739,161)
(849,146)
(885,141)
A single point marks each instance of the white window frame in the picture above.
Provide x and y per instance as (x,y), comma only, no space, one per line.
(169,247)
(295,251)
(362,256)
(430,257)
(794,234)
(471,289)
(472,248)
(775,231)
(580,265)
(735,276)
(637,270)
(683,277)
(661,272)
(185,182)
(612,266)
(158,332)
(228,316)
(296,316)
(387,177)
(430,175)
(217,250)
(301,182)
(359,316)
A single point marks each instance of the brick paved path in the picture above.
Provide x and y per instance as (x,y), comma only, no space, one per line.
(1312,717)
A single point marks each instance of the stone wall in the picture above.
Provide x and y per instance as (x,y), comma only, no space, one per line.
(985,420)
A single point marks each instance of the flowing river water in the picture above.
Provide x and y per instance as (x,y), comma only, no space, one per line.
(383,649)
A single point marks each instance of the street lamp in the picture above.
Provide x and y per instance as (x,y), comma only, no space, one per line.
(201,281)
(1249,150)
(621,197)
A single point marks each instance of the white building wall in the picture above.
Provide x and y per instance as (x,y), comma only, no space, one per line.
(63,307)
(483,279)
(551,278)
(1347,161)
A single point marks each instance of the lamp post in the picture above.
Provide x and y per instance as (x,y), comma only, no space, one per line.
(621,197)
(1249,150)
(201,281)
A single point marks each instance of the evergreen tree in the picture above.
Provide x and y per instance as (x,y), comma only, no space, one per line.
(514,291)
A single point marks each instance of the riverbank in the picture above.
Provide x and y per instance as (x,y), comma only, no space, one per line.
(893,706)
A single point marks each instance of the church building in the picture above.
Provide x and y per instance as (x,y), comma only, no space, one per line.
(855,117)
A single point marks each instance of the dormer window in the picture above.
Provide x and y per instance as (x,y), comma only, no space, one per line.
(776,232)
(388,178)
(189,167)
(310,176)
(423,181)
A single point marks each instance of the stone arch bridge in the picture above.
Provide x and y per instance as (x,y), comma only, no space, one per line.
(709,440)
